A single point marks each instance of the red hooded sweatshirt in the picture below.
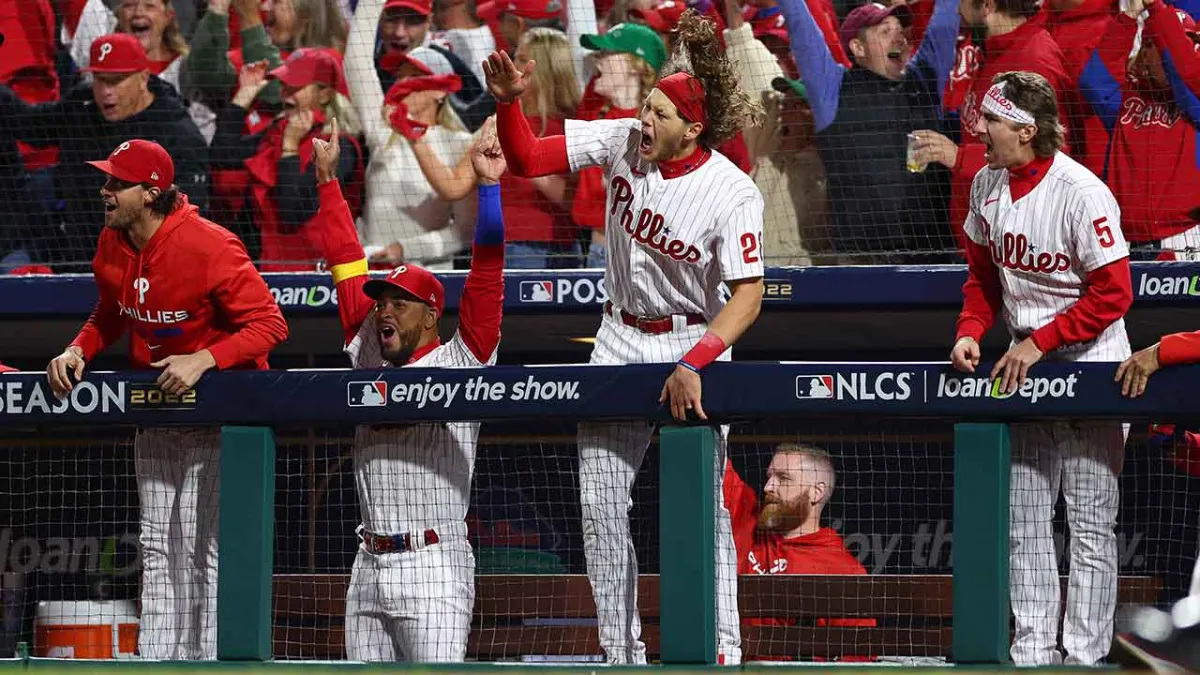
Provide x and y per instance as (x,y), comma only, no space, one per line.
(27,63)
(1078,31)
(1155,189)
(821,552)
(192,287)
(1029,47)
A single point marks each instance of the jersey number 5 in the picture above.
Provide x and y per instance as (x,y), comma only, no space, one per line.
(751,242)
(1104,232)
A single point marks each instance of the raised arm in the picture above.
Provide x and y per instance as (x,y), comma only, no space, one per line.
(939,46)
(581,20)
(821,72)
(1104,73)
(296,190)
(339,240)
(1181,57)
(96,21)
(365,88)
(482,305)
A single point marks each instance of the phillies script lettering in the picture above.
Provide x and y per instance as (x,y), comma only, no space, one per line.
(1141,113)
(651,228)
(1016,253)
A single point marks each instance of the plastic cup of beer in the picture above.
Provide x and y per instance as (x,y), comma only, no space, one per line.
(914,166)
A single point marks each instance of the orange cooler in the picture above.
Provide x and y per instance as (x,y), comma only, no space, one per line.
(92,629)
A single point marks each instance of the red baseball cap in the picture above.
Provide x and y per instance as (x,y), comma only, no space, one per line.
(306,66)
(662,17)
(871,14)
(117,53)
(414,280)
(407,85)
(1189,24)
(534,10)
(422,7)
(139,161)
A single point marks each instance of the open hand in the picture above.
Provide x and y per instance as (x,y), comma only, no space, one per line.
(683,390)
(1014,366)
(1135,371)
(252,79)
(504,79)
(181,372)
(327,153)
(487,158)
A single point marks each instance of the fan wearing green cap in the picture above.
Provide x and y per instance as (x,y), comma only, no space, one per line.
(627,60)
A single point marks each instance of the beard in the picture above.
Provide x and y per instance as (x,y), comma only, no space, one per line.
(408,341)
(781,517)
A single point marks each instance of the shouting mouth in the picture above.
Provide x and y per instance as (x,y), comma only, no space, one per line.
(646,143)
(388,336)
(140,29)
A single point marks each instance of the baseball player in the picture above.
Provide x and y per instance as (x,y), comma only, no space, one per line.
(683,223)
(187,292)
(412,589)
(1046,252)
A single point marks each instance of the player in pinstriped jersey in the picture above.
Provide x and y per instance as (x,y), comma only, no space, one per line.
(683,224)
(1046,252)
(412,588)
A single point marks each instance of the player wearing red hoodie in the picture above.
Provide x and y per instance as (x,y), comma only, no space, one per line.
(1077,26)
(1154,113)
(187,292)
(783,535)
(1016,41)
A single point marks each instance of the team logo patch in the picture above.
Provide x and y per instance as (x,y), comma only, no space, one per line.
(814,387)
(366,394)
(537,291)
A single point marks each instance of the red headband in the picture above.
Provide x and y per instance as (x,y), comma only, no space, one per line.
(687,93)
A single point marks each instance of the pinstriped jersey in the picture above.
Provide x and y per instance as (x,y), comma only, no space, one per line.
(671,242)
(1045,244)
(414,477)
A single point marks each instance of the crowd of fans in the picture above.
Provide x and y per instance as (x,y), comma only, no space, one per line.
(866,154)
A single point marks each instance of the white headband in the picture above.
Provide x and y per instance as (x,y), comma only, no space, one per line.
(998,104)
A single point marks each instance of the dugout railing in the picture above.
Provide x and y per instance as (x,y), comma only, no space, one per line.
(975,613)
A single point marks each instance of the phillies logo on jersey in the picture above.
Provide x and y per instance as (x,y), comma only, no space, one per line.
(1142,113)
(153,316)
(651,228)
(141,285)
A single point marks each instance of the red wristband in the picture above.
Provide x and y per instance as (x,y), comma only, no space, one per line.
(705,352)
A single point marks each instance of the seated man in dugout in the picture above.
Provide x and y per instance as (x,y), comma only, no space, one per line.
(783,533)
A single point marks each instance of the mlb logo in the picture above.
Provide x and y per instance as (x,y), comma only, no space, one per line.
(366,394)
(537,291)
(814,387)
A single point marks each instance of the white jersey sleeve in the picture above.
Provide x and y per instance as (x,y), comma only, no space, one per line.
(739,243)
(1096,228)
(973,225)
(595,143)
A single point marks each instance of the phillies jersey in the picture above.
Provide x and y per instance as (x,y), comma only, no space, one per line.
(671,242)
(411,477)
(1045,244)
(191,287)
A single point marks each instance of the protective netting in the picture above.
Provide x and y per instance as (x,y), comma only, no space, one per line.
(863,164)
(843,538)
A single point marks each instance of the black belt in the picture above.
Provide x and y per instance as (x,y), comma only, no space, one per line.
(651,326)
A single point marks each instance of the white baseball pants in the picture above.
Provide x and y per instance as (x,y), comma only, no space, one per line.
(412,606)
(178,476)
(1084,459)
(610,455)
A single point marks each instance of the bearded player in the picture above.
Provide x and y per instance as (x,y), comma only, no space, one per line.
(684,275)
(412,589)
(1046,251)
(185,289)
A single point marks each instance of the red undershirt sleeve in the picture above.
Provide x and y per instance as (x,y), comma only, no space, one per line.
(1107,298)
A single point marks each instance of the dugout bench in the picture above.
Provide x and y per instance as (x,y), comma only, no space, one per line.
(546,615)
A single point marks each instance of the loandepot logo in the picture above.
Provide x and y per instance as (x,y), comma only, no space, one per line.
(1151,286)
(1034,389)
(304,296)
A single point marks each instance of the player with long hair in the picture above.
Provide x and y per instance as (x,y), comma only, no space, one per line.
(684,277)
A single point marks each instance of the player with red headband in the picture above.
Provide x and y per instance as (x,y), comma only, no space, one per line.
(684,224)
(412,589)
(186,291)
